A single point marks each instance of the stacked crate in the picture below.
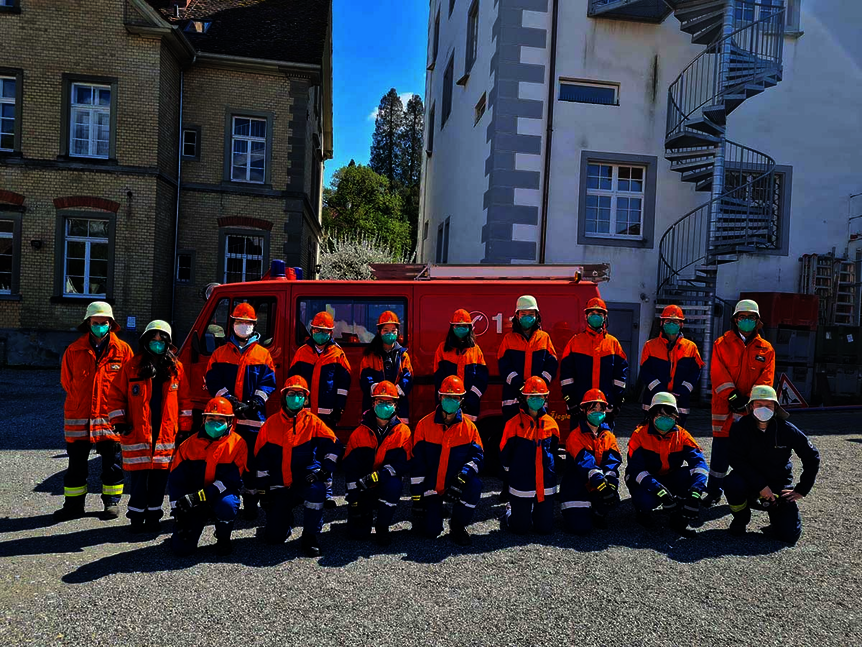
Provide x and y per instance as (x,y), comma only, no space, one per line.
(833,280)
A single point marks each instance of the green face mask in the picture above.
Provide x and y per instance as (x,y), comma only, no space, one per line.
(389,338)
(535,402)
(384,410)
(321,338)
(596,321)
(99,330)
(215,429)
(461,331)
(595,418)
(527,321)
(157,347)
(746,325)
(664,423)
(450,405)
(671,329)
(294,402)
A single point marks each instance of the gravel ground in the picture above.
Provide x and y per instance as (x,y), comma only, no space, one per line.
(89,582)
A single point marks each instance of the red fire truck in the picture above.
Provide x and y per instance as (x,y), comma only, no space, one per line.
(424,305)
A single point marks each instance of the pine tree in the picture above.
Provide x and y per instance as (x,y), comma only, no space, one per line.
(387,131)
(410,142)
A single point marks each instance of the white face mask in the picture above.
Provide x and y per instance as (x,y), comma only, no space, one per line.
(763,414)
(243,330)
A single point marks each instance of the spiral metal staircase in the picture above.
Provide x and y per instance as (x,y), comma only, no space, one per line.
(743,57)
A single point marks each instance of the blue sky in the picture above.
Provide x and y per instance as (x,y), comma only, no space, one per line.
(377,45)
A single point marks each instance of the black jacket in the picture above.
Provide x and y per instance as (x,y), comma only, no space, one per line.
(763,457)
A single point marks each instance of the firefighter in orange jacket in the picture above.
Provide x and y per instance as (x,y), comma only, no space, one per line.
(670,362)
(525,352)
(149,404)
(296,453)
(528,453)
(447,457)
(90,365)
(594,359)
(386,359)
(242,372)
(592,480)
(741,359)
(375,462)
(206,478)
(460,355)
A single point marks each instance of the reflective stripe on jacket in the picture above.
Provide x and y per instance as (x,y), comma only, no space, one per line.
(593,360)
(442,452)
(246,374)
(469,365)
(652,455)
(214,466)
(366,453)
(371,371)
(527,455)
(327,374)
(591,458)
(673,367)
(519,359)
(736,364)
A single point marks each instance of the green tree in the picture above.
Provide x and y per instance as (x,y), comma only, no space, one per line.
(410,143)
(359,202)
(385,142)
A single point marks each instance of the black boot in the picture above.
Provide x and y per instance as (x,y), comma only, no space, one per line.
(459,535)
(111,511)
(249,507)
(73,508)
(383,537)
(600,522)
(680,525)
(223,546)
(741,519)
(310,545)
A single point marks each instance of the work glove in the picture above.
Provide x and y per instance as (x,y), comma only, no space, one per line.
(418,507)
(368,481)
(456,490)
(190,501)
(240,408)
(123,428)
(254,405)
(736,401)
(316,475)
(608,492)
(691,506)
(666,499)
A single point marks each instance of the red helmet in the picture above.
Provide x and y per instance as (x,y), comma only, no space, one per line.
(596,304)
(672,312)
(535,386)
(244,311)
(388,317)
(593,395)
(453,385)
(461,317)
(295,383)
(384,389)
(218,407)
(323,320)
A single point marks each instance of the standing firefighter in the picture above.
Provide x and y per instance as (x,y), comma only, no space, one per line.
(296,454)
(375,462)
(447,457)
(670,363)
(594,359)
(527,453)
(386,359)
(741,360)
(324,366)
(205,480)
(242,372)
(592,480)
(149,404)
(655,474)
(761,444)
(460,355)
(90,365)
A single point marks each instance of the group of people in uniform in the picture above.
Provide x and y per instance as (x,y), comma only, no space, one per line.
(134,409)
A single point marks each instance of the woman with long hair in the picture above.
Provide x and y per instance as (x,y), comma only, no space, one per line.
(460,355)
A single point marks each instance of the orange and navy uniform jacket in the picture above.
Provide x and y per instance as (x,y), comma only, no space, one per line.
(652,456)
(327,374)
(365,453)
(245,374)
(736,364)
(87,383)
(146,448)
(289,449)
(670,366)
(441,453)
(593,360)
(372,370)
(592,458)
(519,359)
(528,455)
(469,365)
(214,466)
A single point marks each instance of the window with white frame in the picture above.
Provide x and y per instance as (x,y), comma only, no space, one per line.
(8,92)
(86,255)
(90,117)
(248,160)
(7,255)
(614,200)
(243,258)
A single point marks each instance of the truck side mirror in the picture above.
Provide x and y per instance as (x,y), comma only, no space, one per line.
(196,346)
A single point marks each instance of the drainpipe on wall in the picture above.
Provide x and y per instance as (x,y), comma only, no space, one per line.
(177,214)
(552,96)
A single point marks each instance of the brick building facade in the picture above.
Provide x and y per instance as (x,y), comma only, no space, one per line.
(229,100)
